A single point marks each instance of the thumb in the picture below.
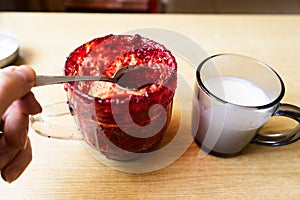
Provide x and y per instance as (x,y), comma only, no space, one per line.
(15,82)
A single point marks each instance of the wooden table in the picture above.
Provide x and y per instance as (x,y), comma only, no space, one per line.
(63,169)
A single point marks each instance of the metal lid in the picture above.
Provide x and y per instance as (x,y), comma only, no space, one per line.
(9,50)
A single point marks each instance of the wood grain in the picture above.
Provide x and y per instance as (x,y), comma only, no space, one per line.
(63,169)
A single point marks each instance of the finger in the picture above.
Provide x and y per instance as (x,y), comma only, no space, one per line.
(7,153)
(17,166)
(15,129)
(16,120)
(28,105)
(15,83)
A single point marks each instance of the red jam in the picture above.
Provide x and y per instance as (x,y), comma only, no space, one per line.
(106,113)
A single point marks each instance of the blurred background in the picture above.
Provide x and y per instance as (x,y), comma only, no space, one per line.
(156,6)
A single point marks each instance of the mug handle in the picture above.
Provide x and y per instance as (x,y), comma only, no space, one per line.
(285,138)
(55,121)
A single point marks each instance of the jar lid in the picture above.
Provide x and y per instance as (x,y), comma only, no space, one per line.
(9,49)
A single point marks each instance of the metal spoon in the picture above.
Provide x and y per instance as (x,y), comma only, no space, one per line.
(119,78)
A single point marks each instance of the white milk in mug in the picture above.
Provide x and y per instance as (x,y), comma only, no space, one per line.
(223,127)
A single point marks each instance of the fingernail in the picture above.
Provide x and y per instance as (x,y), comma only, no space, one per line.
(25,144)
(23,139)
(12,174)
(27,73)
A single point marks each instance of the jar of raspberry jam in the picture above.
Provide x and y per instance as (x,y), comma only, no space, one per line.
(117,122)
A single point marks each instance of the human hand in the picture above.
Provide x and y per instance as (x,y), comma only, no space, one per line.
(17,102)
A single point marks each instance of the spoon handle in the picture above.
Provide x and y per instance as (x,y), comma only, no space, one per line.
(48,80)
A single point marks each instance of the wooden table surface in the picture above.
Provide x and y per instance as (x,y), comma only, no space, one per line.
(63,169)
